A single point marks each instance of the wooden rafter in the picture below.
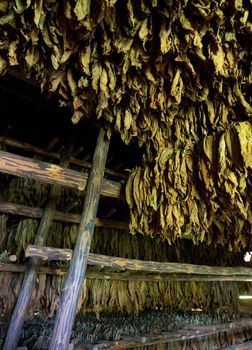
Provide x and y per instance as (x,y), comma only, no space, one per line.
(24,210)
(54,155)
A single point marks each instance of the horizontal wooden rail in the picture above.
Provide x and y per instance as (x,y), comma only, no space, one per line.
(24,210)
(54,155)
(128,275)
(52,174)
(48,253)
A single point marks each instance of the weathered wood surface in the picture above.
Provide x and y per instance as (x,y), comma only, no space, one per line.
(54,155)
(25,294)
(126,275)
(137,265)
(53,174)
(24,210)
(3,230)
(48,253)
(74,282)
(19,268)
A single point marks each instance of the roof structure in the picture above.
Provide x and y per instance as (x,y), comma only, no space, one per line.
(169,82)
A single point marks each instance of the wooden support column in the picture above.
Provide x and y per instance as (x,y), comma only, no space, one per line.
(74,281)
(28,284)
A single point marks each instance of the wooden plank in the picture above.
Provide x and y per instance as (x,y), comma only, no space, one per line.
(75,278)
(54,155)
(24,210)
(53,174)
(126,275)
(48,253)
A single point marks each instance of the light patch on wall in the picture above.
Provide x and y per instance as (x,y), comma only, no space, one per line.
(247,256)
(245,296)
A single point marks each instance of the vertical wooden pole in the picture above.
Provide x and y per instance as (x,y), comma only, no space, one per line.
(28,284)
(75,278)
(29,280)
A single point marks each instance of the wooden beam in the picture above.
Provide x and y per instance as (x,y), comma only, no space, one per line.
(128,275)
(24,210)
(75,278)
(47,253)
(54,155)
(52,174)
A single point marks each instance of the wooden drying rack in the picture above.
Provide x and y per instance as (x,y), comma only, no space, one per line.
(95,185)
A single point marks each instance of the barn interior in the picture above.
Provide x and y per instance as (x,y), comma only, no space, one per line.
(172,96)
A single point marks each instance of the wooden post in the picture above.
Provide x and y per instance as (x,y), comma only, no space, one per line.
(28,284)
(25,294)
(74,281)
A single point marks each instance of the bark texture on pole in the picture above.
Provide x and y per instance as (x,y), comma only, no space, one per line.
(28,284)
(52,174)
(75,278)
(48,253)
(47,153)
(129,275)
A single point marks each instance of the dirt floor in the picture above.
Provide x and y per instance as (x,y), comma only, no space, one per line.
(90,328)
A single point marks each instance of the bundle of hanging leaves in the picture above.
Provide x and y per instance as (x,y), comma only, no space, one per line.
(172,75)
(16,232)
(101,294)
